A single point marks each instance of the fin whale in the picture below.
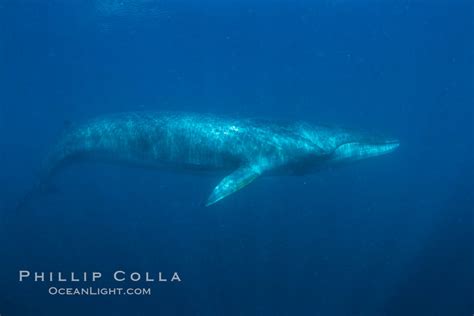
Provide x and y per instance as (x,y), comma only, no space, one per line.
(245,149)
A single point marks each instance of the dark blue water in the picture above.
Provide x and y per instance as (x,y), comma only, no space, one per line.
(388,236)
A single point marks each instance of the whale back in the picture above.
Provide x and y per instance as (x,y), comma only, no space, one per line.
(186,140)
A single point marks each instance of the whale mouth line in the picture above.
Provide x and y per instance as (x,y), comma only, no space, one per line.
(392,142)
(386,147)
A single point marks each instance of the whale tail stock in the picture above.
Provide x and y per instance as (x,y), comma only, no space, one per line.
(29,195)
(40,187)
(43,184)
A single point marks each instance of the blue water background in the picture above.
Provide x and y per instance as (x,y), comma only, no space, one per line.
(389,236)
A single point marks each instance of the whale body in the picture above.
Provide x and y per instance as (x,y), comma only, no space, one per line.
(243,149)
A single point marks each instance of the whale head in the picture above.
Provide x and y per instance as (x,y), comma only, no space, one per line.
(363,147)
(346,145)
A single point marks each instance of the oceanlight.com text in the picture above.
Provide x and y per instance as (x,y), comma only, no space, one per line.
(95,291)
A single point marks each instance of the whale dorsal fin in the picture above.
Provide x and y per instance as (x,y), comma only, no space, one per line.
(234,182)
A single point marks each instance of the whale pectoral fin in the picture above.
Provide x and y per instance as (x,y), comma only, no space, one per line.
(233,183)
